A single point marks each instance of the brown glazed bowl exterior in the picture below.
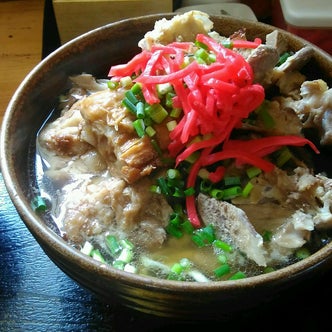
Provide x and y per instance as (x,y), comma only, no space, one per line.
(94,53)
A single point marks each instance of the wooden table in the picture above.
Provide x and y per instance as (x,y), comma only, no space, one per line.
(21,28)
(35,295)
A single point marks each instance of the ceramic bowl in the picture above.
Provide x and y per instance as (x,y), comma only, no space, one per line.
(30,106)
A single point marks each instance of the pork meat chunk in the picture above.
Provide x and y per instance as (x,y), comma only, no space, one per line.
(100,205)
(262,60)
(63,135)
(109,128)
(232,225)
(181,28)
(314,108)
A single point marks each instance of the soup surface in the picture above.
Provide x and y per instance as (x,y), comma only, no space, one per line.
(194,160)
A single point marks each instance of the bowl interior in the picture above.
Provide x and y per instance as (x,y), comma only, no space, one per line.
(94,53)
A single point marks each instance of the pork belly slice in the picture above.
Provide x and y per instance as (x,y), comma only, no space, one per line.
(109,128)
(62,137)
(262,60)
(232,225)
(107,205)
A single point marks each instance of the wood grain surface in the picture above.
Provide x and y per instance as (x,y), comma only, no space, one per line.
(21,28)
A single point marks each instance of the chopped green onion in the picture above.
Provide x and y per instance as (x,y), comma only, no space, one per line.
(113,244)
(177,268)
(175,112)
(155,189)
(198,240)
(187,226)
(129,105)
(222,259)
(232,181)
(175,218)
(130,268)
(140,113)
(87,248)
(204,236)
(268,269)
(217,193)
(112,85)
(126,255)
(193,157)
(175,276)
(120,265)
(283,58)
(221,270)
(247,189)
(189,191)
(150,131)
(131,97)
(237,275)
(267,236)
(223,245)
(302,253)
(202,55)
(38,204)
(139,126)
(284,155)
(232,192)
(265,116)
(186,263)
(156,112)
(212,58)
(205,186)
(125,243)
(164,88)
(171,125)
(126,81)
(253,171)
(204,174)
(96,254)
(200,45)
(174,230)
(156,147)
(136,89)
(162,183)
(169,99)
(173,173)
(228,43)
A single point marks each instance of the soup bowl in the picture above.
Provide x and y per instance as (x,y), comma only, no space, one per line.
(94,52)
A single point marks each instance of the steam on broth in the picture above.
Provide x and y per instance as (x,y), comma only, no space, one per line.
(192,174)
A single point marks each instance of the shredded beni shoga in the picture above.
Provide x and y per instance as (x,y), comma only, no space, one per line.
(210,90)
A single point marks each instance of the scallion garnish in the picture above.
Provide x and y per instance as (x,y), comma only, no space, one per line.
(247,189)
(96,254)
(302,253)
(222,270)
(232,192)
(232,181)
(223,245)
(204,236)
(237,275)
(38,204)
(113,244)
(253,171)
(139,126)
